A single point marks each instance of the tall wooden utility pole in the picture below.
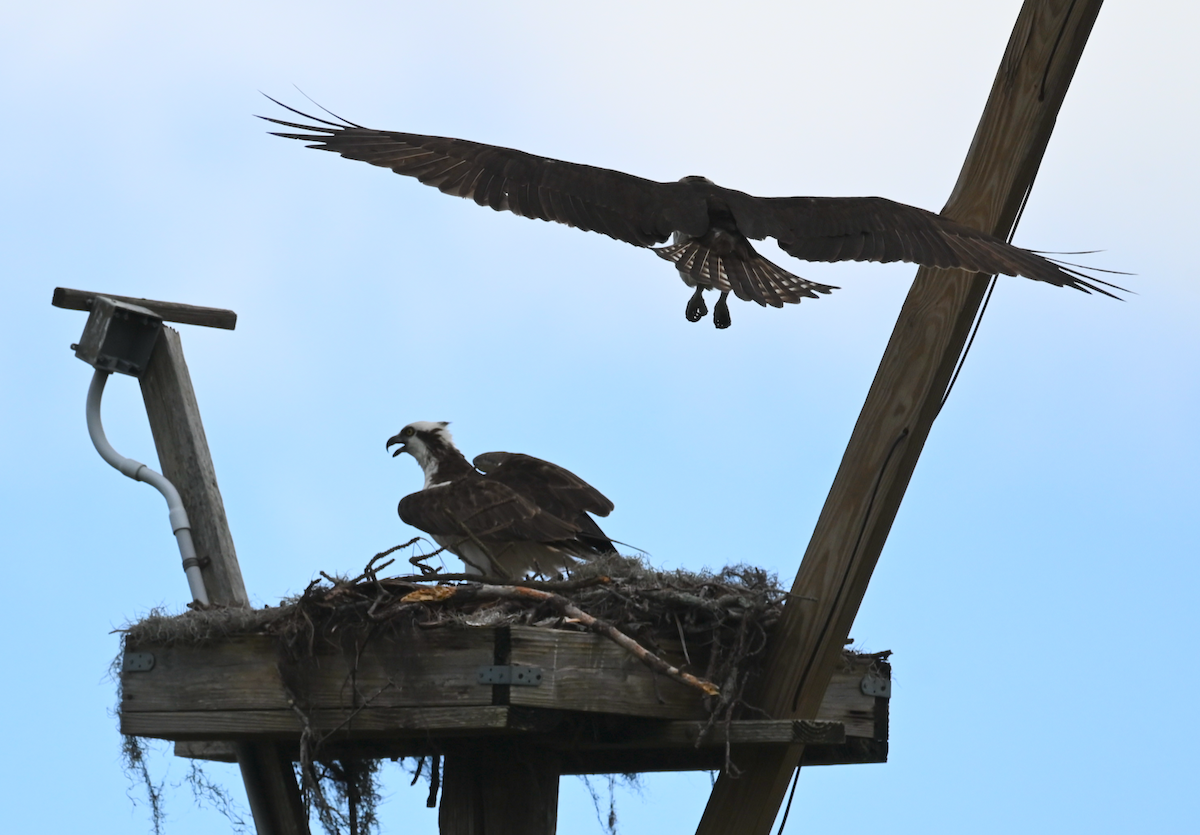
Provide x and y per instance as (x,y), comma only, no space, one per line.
(903,402)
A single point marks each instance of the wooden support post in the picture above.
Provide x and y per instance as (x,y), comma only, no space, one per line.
(499,789)
(185,460)
(903,401)
(271,788)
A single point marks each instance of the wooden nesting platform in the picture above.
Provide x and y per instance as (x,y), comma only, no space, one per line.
(416,692)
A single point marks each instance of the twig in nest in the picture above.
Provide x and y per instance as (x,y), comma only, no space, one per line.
(395,548)
(683,641)
(419,560)
(350,716)
(545,585)
(312,782)
(438,594)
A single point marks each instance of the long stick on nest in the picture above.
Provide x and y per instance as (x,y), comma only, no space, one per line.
(438,594)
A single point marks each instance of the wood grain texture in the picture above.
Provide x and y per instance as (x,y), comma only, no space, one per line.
(585,672)
(239,689)
(221,751)
(371,724)
(584,746)
(438,667)
(185,460)
(690,734)
(184,314)
(903,401)
(271,789)
(424,668)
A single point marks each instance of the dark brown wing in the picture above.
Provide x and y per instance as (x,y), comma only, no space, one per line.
(550,486)
(488,510)
(878,229)
(631,209)
(553,489)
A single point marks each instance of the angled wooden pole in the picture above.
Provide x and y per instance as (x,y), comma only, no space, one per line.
(185,460)
(903,402)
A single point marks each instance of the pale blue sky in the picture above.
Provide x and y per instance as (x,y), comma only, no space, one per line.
(1038,584)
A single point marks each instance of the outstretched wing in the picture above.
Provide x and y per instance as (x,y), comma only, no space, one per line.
(488,511)
(631,209)
(552,488)
(645,212)
(878,229)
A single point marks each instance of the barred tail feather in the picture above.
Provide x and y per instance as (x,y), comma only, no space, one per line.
(753,279)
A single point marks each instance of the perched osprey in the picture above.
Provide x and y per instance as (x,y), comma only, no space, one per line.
(710,225)
(508,515)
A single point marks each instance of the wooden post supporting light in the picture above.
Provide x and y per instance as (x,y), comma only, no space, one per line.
(903,401)
(185,460)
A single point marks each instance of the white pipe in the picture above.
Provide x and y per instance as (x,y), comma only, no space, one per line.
(140,472)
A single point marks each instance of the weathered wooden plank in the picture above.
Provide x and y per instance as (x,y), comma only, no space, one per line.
(709,758)
(185,460)
(695,734)
(215,750)
(447,722)
(904,399)
(846,703)
(586,672)
(372,723)
(624,746)
(184,314)
(424,668)
(439,667)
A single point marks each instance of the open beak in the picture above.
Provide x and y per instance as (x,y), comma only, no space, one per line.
(395,439)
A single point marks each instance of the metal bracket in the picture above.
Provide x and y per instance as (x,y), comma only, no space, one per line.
(876,685)
(517,675)
(119,336)
(138,662)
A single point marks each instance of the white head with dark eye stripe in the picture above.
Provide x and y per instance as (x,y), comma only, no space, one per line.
(428,442)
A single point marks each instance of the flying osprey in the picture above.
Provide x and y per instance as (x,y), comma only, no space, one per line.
(710,225)
(508,515)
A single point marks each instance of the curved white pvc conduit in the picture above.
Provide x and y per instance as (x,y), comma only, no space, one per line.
(140,472)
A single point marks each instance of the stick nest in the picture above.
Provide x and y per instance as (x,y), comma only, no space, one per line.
(713,625)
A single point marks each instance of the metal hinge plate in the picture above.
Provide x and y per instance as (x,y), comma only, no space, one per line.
(138,662)
(873,685)
(517,675)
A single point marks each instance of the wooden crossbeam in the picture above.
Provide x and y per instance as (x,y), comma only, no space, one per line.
(581,744)
(903,402)
(184,314)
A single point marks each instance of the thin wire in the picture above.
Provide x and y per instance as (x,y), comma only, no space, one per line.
(954,378)
(788,808)
(853,554)
(974,332)
(1012,230)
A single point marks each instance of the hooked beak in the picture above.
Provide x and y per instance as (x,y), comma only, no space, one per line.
(395,439)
